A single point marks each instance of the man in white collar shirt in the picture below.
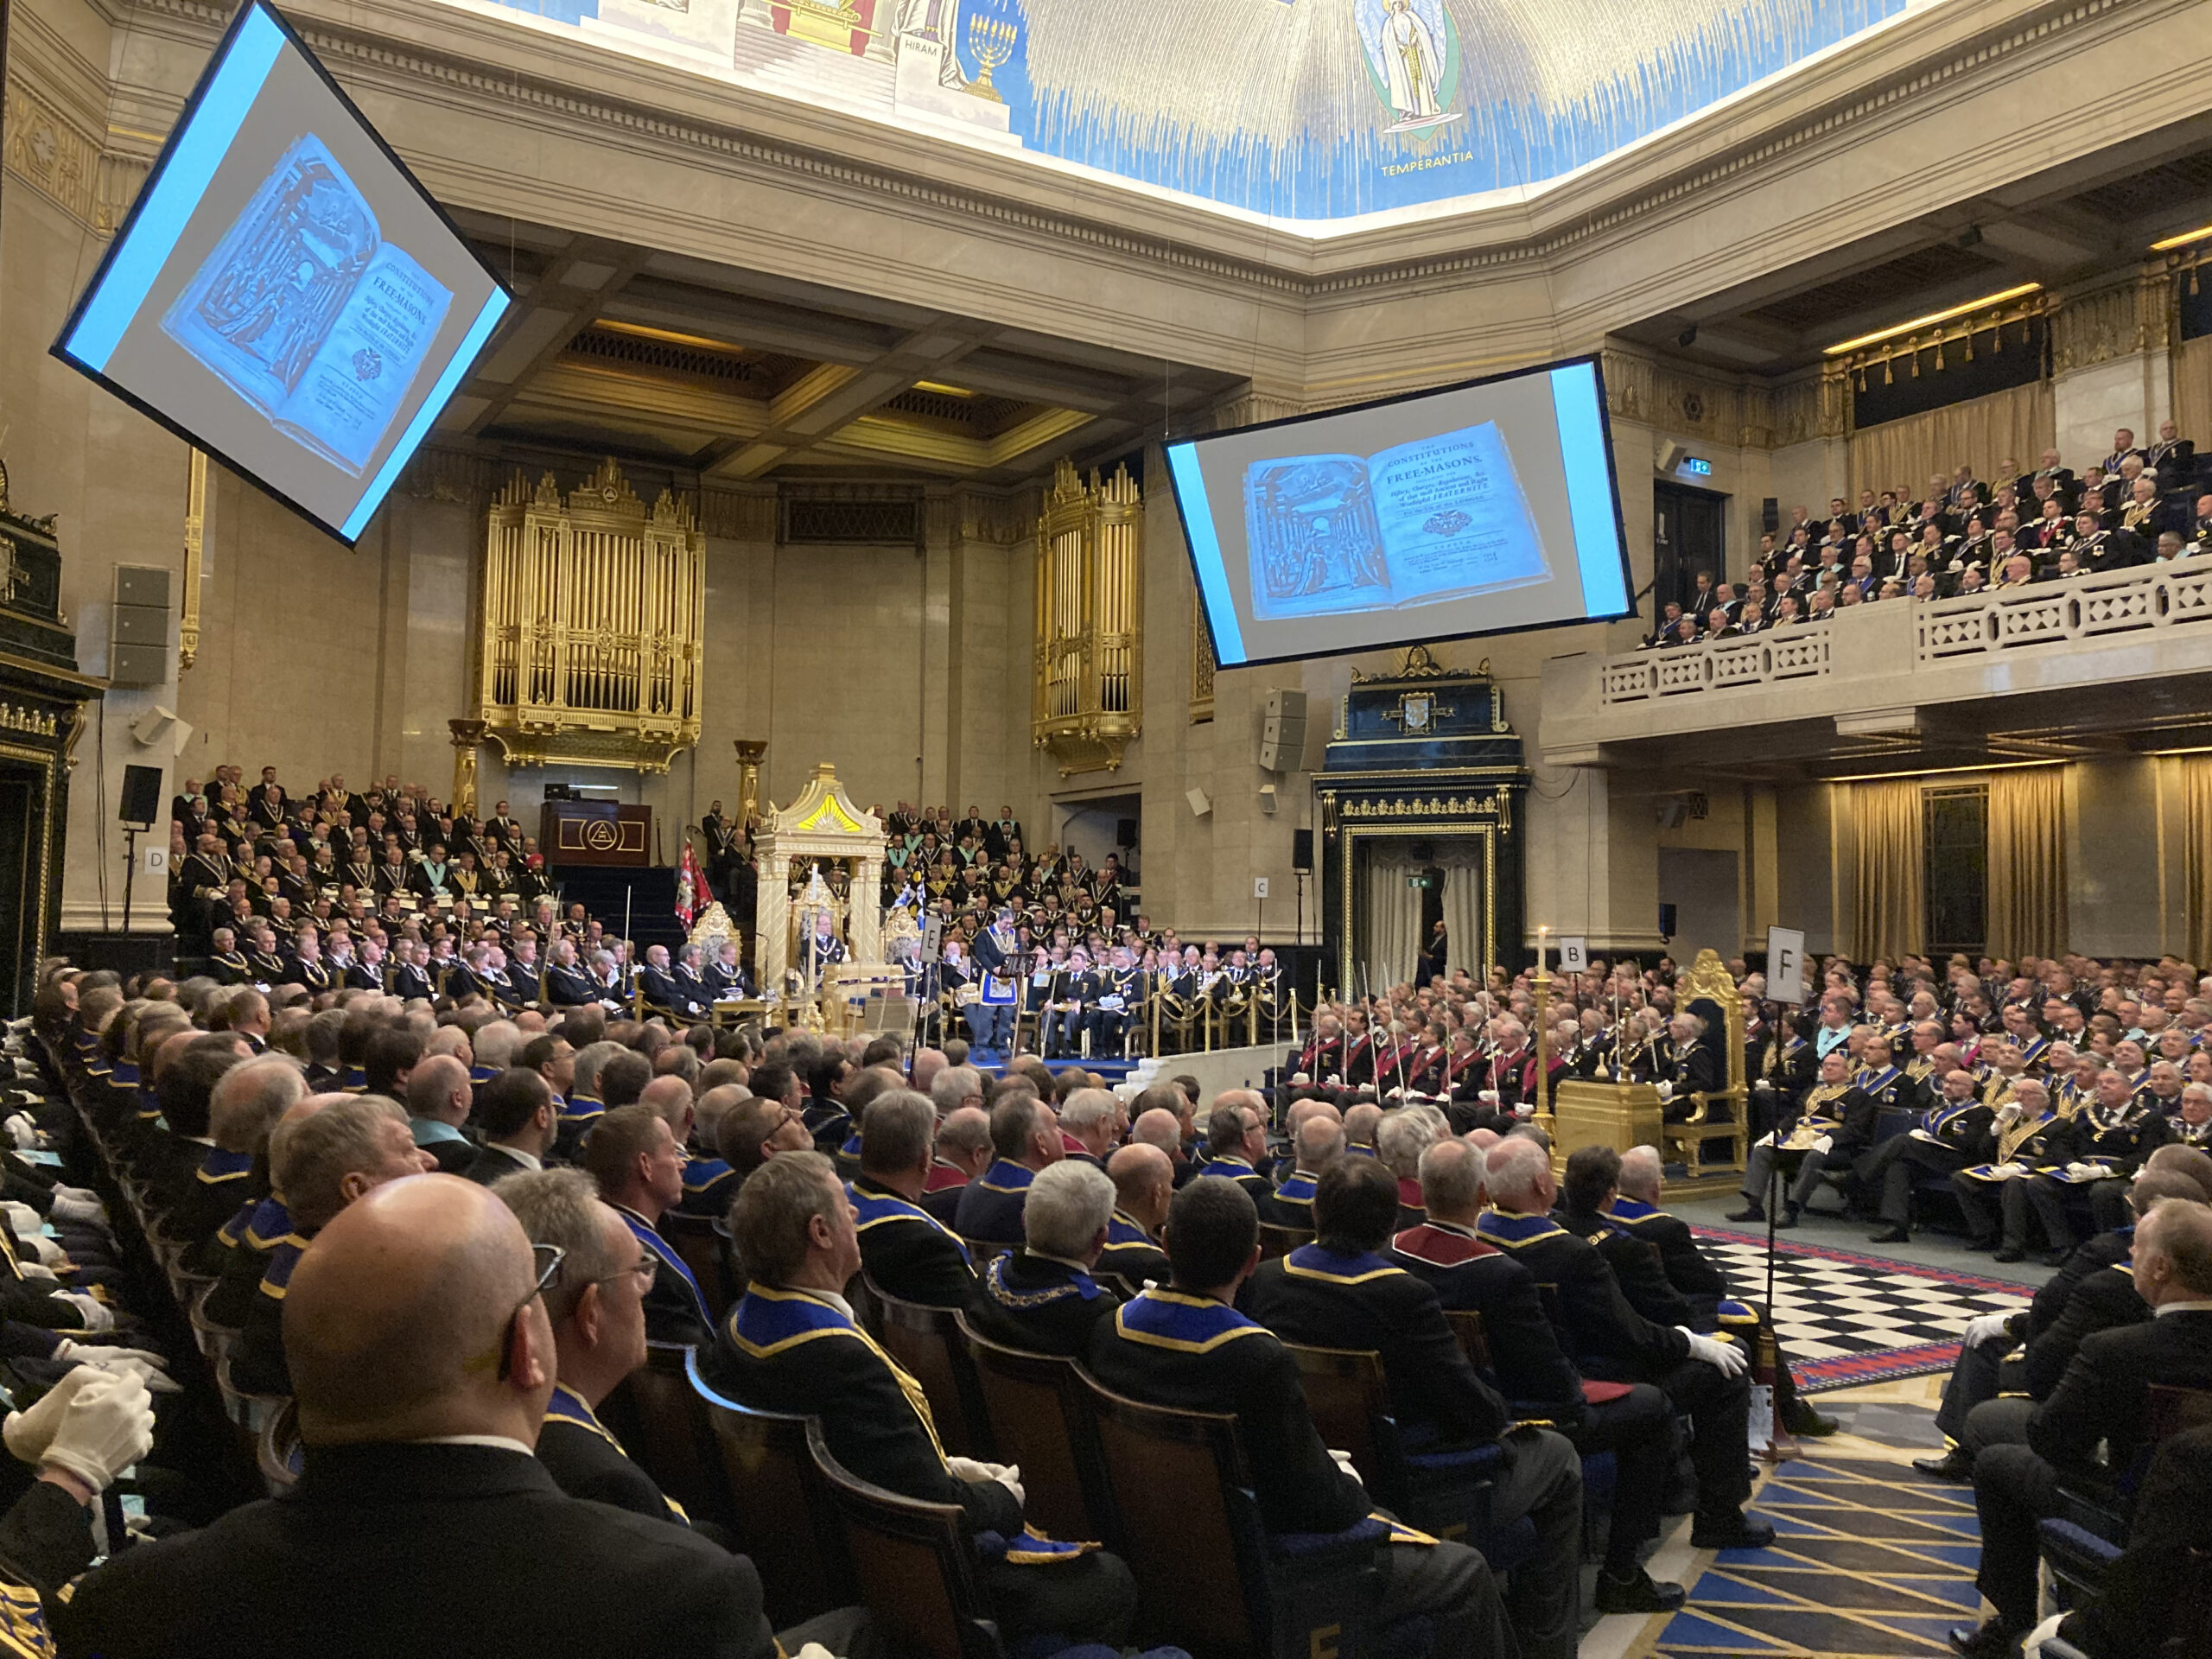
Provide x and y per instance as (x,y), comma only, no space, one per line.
(519,1122)
(423,1360)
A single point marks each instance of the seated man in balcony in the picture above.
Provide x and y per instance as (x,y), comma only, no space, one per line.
(1670,617)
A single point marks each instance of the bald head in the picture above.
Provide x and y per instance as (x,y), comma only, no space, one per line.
(1451,1182)
(396,1322)
(1318,1142)
(437,1087)
(1360,1123)
(1144,1183)
(671,1097)
(1641,1174)
(1158,1128)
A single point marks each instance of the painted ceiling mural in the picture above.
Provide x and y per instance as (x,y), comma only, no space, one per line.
(1309,110)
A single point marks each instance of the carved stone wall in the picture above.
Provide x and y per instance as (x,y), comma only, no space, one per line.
(2129,317)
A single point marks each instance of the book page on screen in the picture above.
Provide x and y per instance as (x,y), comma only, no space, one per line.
(1476,509)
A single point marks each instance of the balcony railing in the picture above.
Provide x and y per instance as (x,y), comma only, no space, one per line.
(1947,631)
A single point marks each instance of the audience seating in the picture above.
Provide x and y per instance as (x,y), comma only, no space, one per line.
(662,1422)
(782,1515)
(1447,1493)
(1040,1420)
(703,1241)
(925,1342)
(1281,1241)
(280,1452)
(1188,1526)
(915,1564)
(1468,1325)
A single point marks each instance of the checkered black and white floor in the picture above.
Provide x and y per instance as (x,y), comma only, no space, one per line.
(1844,1318)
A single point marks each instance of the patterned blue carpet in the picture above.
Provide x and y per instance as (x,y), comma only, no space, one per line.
(1870,1558)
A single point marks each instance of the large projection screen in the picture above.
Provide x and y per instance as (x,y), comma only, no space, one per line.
(1481,508)
(284,295)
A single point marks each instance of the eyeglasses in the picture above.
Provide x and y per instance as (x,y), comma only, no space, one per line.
(546,1261)
(645,1271)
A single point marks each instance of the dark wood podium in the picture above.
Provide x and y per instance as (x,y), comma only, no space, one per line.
(595,832)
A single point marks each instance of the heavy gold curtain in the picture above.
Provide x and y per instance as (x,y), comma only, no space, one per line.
(1982,432)
(2027,863)
(2191,367)
(2197,855)
(1888,916)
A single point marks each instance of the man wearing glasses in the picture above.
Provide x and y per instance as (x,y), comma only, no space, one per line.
(596,1297)
(424,1361)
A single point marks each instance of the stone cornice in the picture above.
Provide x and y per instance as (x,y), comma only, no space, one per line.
(414,48)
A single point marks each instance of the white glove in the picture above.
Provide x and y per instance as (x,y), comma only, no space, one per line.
(1822,1143)
(21,1130)
(1488,1096)
(122,1362)
(81,1194)
(1666,1092)
(2086,1171)
(1343,1462)
(27,1434)
(97,1317)
(1723,1357)
(108,1426)
(21,1216)
(1007,1475)
(69,1209)
(2008,1111)
(1989,1327)
(37,1273)
(48,1251)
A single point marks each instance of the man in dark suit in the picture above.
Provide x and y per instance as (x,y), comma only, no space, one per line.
(1631,1208)
(790,1345)
(597,1310)
(1338,1292)
(1026,1136)
(324,1155)
(2102,1398)
(1144,1182)
(439,1096)
(424,1362)
(1041,1297)
(661,991)
(2133,1614)
(520,1124)
(1634,1422)
(908,1253)
(1236,1139)
(1950,1135)
(633,1155)
(1185,1347)
(1605,1336)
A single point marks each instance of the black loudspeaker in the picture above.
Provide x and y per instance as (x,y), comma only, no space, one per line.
(142,795)
(1125,832)
(1301,851)
(1770,515)
(1666,921)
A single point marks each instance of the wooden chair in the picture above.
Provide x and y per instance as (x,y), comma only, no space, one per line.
(250,1412)
(281,1457)
(916,1566)
(215,1341)
(699,1241)
(1040,1420)
(1447,1493)
(1188,1525)
(1468,1325)
(784,1517)
(662,1424)
(1276,1241)
(926,1344)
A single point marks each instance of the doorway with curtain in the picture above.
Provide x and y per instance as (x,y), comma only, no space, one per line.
(1404,889)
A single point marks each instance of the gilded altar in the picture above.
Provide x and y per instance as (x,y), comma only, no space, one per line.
(821,830)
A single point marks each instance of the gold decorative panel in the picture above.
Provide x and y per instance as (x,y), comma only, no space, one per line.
(593,614)
(1090,638)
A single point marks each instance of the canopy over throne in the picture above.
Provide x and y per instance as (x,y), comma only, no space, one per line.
(821,827)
